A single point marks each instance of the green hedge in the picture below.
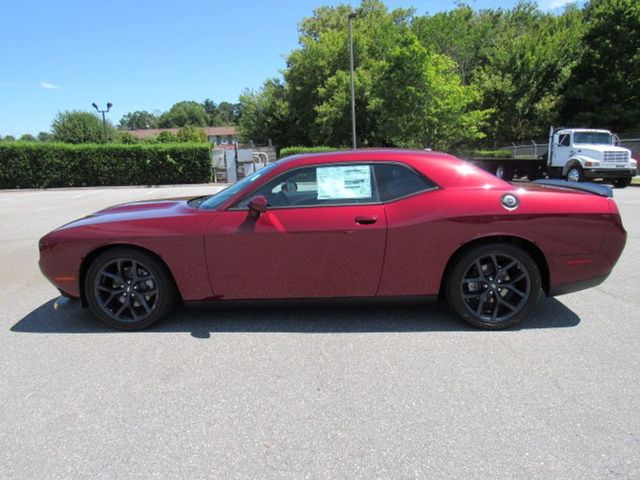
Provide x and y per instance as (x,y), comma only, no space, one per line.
(492,153)
(28,165)
(285,152)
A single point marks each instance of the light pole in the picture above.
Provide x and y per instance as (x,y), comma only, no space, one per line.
(104,121)
(353,94)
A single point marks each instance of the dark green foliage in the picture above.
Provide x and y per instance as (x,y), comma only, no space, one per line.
(285,152)
(28,165)
(27,137)
(126,138)
(9,138)
(184,113)
(80,127)
(45,137)
(604,87)
(165,137)
(491,153)
(191,134)
(140,119)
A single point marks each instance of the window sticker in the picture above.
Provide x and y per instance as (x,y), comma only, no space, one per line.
(344,182)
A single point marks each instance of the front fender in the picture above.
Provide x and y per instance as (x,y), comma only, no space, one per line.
(576,161)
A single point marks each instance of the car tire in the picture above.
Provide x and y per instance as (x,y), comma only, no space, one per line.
(622,182)
(494,286)
(575,174)
(129,289)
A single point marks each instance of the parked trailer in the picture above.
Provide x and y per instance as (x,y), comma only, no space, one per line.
(575,154)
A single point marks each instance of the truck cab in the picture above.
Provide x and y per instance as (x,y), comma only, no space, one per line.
(579,153)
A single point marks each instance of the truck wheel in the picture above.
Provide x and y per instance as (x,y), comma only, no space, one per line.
(575,174)
(621,182)
(504,172)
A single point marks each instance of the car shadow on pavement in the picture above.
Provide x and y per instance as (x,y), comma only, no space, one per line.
(204,321)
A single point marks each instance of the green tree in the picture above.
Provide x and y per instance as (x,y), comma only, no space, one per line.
(192,134)
(125,137)
(604,87)
(184,113)
(9,138)
(140,119)
(266,115)
(80,127)
(166,137)
(27,137)
(44,137)
(422,102)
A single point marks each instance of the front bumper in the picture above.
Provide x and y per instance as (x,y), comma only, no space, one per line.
(610,172)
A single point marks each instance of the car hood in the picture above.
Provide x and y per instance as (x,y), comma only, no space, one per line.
(599,148)
(140,210)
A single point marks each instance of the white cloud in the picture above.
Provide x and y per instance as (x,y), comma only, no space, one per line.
(48,86)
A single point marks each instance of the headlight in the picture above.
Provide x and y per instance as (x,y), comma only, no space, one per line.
(591,163)
(633,163)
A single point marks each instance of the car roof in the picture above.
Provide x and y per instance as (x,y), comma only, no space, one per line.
(444,169)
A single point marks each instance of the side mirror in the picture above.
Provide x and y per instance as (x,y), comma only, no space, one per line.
(258,205)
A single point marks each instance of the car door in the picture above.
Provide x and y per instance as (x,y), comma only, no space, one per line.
(322,236)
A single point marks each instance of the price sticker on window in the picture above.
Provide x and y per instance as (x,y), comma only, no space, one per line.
(342,182)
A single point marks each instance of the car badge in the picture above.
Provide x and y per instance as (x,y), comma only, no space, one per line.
(510,201)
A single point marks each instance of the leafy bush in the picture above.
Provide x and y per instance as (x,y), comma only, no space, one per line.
(28,165)
(285,152)
(492,153)
(80,127)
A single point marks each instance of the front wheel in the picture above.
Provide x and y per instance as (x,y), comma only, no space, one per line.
(622,182)
(575,174)
(494,286)
(129,289)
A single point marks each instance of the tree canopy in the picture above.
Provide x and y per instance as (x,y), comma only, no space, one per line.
(455,78)
(138,120)
(80,127)
(604,87)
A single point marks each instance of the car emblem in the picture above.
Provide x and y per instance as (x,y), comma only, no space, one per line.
(510,201)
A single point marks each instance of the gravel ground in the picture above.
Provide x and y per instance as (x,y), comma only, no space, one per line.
(298,392)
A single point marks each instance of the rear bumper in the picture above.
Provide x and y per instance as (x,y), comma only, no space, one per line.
(610,172)
(576,286)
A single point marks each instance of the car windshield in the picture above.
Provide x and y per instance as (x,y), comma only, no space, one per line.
(592,138)
(214,201)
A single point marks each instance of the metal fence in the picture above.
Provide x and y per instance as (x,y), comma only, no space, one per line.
(533,149)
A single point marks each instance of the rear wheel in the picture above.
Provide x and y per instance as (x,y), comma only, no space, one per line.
(494,286)
(622,182)
(504,172)
(129,289)
(575,174)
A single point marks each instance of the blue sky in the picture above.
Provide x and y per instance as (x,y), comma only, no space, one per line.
(143,55)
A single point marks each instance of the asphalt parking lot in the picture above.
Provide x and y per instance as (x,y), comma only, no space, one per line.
(404,391)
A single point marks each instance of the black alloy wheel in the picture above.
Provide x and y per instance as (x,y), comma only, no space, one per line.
(494,286)
(129,289)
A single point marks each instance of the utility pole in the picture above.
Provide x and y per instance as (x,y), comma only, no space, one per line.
(104,120)
(353,94)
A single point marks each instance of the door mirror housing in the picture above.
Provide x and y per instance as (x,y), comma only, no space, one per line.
(258,205)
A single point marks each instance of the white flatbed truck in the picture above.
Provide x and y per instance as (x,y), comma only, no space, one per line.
(573,154)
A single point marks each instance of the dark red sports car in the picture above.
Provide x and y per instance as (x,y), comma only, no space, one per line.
(351,224)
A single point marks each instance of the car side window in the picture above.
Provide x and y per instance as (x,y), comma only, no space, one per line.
(319,185)
(397,181)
